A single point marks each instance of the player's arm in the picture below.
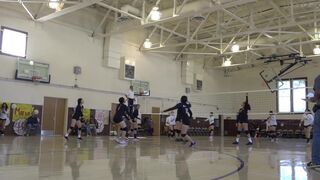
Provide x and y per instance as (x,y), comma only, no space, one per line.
(190,112)
(172,108)
(247,106)
(126,113)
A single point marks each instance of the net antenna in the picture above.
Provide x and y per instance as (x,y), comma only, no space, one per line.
(294,61)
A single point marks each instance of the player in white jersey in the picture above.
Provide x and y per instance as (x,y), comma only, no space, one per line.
(272,125)
(307,120)
(211,125)
(170,123)
(3,117)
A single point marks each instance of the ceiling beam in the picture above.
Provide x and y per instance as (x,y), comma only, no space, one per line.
(68,10)
(27,10)
(277,8)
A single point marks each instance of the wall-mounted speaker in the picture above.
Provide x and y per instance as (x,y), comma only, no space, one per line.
(76,70)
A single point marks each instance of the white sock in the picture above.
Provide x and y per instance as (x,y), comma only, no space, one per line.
(249,139)
(237,139)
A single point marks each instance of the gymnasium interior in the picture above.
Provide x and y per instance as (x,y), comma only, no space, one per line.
(218,53)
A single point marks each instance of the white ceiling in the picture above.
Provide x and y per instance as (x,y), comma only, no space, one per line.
(260,27)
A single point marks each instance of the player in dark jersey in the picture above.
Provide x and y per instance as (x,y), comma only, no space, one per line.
(242,122)
(76,119)
(122,112)
(134,123)
(184,115)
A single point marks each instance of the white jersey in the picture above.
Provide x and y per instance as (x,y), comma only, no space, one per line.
(272,120)
(307,119)
(171,120)
(210,119)
(3,114)
(130,94)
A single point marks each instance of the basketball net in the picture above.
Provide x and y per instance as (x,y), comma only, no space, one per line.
(36,79)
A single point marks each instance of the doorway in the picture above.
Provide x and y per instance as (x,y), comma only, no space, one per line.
(53,116)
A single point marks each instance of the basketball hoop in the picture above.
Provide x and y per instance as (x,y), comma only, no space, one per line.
(36,79)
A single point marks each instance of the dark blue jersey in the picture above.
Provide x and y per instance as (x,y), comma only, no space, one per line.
(184,111)
(121,111)
(78,114)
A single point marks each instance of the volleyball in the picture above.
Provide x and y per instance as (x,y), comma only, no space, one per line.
(13,106)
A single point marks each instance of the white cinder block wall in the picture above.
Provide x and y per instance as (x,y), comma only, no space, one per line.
(261,102)
(63,47)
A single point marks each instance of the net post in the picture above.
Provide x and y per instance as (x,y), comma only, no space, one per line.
(221,118)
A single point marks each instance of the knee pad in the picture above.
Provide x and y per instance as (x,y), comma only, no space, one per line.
(183,135)
(238,132)
(124,129)
(247,132)
(136,129)
(71,128)
(178,131)
(211,130)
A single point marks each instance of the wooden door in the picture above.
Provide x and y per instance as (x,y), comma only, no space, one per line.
(54,116)
(60,116)
(156,121)
(49,111)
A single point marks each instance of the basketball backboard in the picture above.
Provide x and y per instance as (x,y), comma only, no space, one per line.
(27,70)
(141,88)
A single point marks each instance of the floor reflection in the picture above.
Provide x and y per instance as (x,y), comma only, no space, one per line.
(49,158)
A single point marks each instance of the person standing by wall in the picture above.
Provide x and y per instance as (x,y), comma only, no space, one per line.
(130,99)
(3,117)
(315,158)
(307,121)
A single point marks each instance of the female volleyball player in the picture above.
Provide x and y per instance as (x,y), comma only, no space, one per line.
(307,120)
(272,126)
(121,112)
(3,117)
(135,118)
(171,122)
(76,119)
(211,125)
(185,115)
(242,122)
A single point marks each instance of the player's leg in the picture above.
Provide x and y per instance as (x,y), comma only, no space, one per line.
(245,127)
(72,126)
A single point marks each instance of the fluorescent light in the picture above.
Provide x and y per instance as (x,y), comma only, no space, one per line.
(235,48)
(316,50)
(155,14)
(31,63)
(147,44)
(227,62)
(53,4)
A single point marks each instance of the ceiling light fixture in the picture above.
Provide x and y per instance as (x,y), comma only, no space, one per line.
(227,62)
(316,50)
(53,4)
(155,14)
(31,63)
(235,47)
(147,44)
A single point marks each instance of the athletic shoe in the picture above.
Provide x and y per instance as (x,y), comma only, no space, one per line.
(249,143)
(135,139)
(192,144)
(79,138)
(310,165)
(236,142)
(66,137)
(123,142)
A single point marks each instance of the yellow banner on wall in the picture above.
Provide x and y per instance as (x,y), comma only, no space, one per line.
(22,111)
(86,114)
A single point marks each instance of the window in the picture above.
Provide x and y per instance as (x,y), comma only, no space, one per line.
(13,42)
(291,94)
